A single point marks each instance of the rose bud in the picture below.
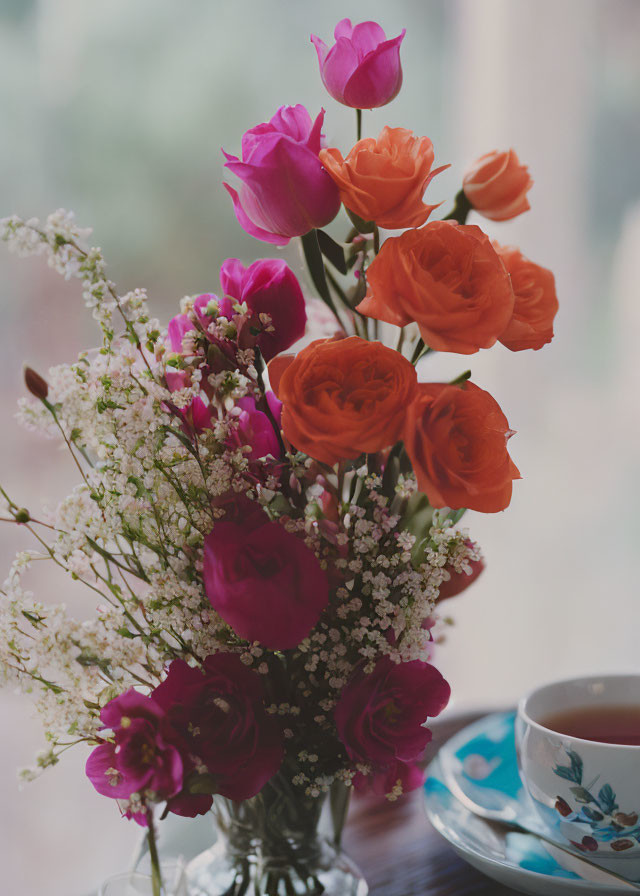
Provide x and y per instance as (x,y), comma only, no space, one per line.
(456,438)
(496,185)
(384,179)
(536,303)
(285,190)
(380,716)
(218,712)
(264,582)
(36,384)
(268,286)
(143,757)
(362,69)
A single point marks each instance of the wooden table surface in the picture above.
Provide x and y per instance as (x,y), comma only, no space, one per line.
(398,850)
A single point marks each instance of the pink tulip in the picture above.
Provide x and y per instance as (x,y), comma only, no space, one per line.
(268,286)
(362,69)
(285,190)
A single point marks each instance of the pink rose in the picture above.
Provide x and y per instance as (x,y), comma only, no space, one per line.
(362,69)
(264,582)
(256,429)
(380,717)
(143,757)
(219,714)
(285,190)
(268,286)
(496,185)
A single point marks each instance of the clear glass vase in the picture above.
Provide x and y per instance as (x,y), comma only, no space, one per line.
(137,883)
(279,843)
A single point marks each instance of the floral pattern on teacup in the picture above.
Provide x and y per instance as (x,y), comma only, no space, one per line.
(610,827)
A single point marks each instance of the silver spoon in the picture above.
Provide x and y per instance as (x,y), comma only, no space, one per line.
(506,817)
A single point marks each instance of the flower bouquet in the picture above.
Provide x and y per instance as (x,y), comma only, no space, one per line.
(266,535)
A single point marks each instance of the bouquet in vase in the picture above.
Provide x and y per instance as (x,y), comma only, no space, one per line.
(266,533)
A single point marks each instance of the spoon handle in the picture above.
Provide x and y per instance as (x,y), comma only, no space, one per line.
(521,829)
(494,817)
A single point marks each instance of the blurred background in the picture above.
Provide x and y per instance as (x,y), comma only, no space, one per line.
(118,111)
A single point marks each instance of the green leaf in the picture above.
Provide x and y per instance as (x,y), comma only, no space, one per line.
(332,251)
(564,771)
(582,794)
(576,765)
(607,799)
(313,258)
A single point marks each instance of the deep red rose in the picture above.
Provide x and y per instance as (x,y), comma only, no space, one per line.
(265,582)
(380,717)
(406,774)
(219,714)
(460,581)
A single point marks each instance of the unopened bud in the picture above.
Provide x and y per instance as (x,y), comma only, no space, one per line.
(36,384)
(22,515)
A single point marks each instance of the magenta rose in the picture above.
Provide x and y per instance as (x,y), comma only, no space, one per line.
(380,717)
(406,775)
(143,757)
(285,190)
(264,581)
(268,286)
(362,69)
(219,714)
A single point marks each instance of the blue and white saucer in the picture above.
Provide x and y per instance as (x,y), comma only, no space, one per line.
(483,756)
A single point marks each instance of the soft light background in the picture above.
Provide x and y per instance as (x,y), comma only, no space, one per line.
(118,111)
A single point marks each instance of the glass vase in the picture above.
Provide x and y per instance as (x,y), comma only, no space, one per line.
(278,843)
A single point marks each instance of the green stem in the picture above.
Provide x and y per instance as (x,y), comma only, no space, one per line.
(156,874)
(420,351)
(376,240)
(462,378)
(359,124)
(460,210)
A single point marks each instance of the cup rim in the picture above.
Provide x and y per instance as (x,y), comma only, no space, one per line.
(576,679)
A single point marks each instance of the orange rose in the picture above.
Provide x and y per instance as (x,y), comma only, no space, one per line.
(496,185)
(384,180)
(343,397)
(456,438)
(446,277)
(536,302)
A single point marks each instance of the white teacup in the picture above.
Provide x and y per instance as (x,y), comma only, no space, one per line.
(586,792)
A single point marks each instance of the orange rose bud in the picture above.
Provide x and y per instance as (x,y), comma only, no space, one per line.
(456,438)
(384,180)
(496,185)
(536,302)
(446,277)
(343,397)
